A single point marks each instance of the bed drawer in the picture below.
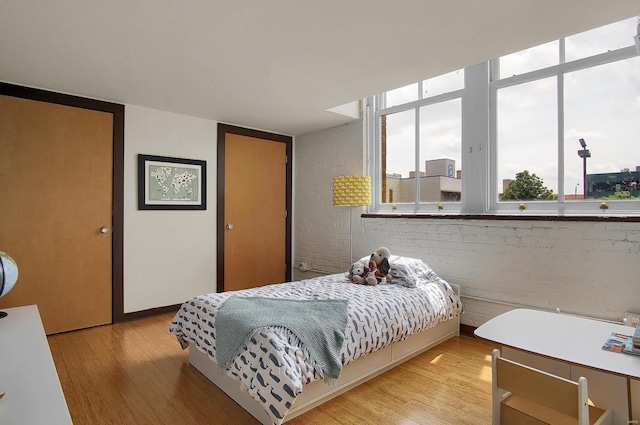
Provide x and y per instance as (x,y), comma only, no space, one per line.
(353,374)
(426,339)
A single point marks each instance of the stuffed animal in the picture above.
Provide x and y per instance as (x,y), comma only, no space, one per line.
(371,278)
(379,264)
(358,273)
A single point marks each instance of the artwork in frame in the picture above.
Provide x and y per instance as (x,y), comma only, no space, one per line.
(166,183)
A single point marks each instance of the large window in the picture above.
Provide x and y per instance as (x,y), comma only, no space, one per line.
(420,143)
(605,112)
(553,129)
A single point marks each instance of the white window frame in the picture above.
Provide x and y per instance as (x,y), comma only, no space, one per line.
(480,150)
(375,163)
(558,207)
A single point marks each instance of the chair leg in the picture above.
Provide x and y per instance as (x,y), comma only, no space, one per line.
(583,401)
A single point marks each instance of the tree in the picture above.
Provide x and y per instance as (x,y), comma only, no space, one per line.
(623,194)
(526,187)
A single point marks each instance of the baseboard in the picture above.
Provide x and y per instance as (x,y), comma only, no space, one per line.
(143,314)
(467,330)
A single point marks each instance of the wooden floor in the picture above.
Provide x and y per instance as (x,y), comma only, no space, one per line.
(136,373)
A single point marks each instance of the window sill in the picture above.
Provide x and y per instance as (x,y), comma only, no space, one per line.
(517,217)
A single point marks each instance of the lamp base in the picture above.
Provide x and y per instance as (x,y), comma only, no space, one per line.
(3,314)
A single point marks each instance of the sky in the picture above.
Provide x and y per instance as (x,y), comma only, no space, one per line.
(602,106)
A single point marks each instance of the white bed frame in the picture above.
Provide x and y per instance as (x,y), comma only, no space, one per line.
(353,374)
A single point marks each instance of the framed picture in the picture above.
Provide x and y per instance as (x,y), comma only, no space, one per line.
(166,183)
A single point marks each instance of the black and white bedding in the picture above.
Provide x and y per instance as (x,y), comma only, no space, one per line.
(273,368)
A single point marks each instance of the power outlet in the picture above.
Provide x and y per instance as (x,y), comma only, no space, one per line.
(303,267)
(632,319)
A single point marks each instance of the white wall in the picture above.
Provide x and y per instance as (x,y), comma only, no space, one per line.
(169,256)
(321,231)
(586,268)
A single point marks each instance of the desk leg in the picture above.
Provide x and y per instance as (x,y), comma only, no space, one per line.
(634,401)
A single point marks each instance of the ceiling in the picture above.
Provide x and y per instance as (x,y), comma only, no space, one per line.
(275,65)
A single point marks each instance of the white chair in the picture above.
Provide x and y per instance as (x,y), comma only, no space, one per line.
(528,396)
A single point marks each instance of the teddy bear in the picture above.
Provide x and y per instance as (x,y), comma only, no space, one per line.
(358,273)
(379,265)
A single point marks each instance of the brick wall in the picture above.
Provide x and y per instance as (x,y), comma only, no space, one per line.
(585,268)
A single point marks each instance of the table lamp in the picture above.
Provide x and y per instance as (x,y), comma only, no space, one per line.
(8,276)
(351,191)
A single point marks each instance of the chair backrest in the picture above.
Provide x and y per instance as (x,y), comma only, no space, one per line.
(536,388)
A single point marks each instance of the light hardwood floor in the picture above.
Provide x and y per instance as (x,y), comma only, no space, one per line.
(136,373)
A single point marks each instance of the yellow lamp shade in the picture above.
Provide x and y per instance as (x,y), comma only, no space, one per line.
(351,191)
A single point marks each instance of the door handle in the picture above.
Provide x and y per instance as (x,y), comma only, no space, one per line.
(229,226)
(104,230)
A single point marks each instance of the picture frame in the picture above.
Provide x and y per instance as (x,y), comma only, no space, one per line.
(166,183)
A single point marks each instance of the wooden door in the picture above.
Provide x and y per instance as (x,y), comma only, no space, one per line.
(253,220)
(56,175)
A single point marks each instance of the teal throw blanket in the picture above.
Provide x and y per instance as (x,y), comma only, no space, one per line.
(318,324)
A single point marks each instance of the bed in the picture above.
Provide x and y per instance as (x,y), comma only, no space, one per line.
(275,374)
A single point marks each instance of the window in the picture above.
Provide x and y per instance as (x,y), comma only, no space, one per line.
(605,112)
(399,141)
(599,40)
(441,148)
(546,115)
(528,60)
(420,144)
(549,130)
(402,95)
(527,133)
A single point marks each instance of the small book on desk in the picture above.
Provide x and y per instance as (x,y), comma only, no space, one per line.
(631,348)
(636,337)
(616,342)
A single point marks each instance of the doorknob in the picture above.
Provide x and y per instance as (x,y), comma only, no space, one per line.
(104,230)
(229,226)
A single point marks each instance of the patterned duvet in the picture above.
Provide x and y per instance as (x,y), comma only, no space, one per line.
(273,369)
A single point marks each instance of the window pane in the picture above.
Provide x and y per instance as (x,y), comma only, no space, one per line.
(443,84)
(401,95)
(527,140)
(602,106)
(441,151)
(398,156)
(600,40)
(528,60)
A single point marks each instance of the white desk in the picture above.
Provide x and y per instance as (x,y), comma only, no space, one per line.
(571,347)
(27,372)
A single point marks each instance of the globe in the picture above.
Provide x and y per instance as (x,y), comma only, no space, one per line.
(8,276)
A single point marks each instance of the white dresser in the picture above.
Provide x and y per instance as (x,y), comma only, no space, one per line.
(27,373)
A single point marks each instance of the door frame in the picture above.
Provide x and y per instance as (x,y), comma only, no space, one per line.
(223,130)
(117,236)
